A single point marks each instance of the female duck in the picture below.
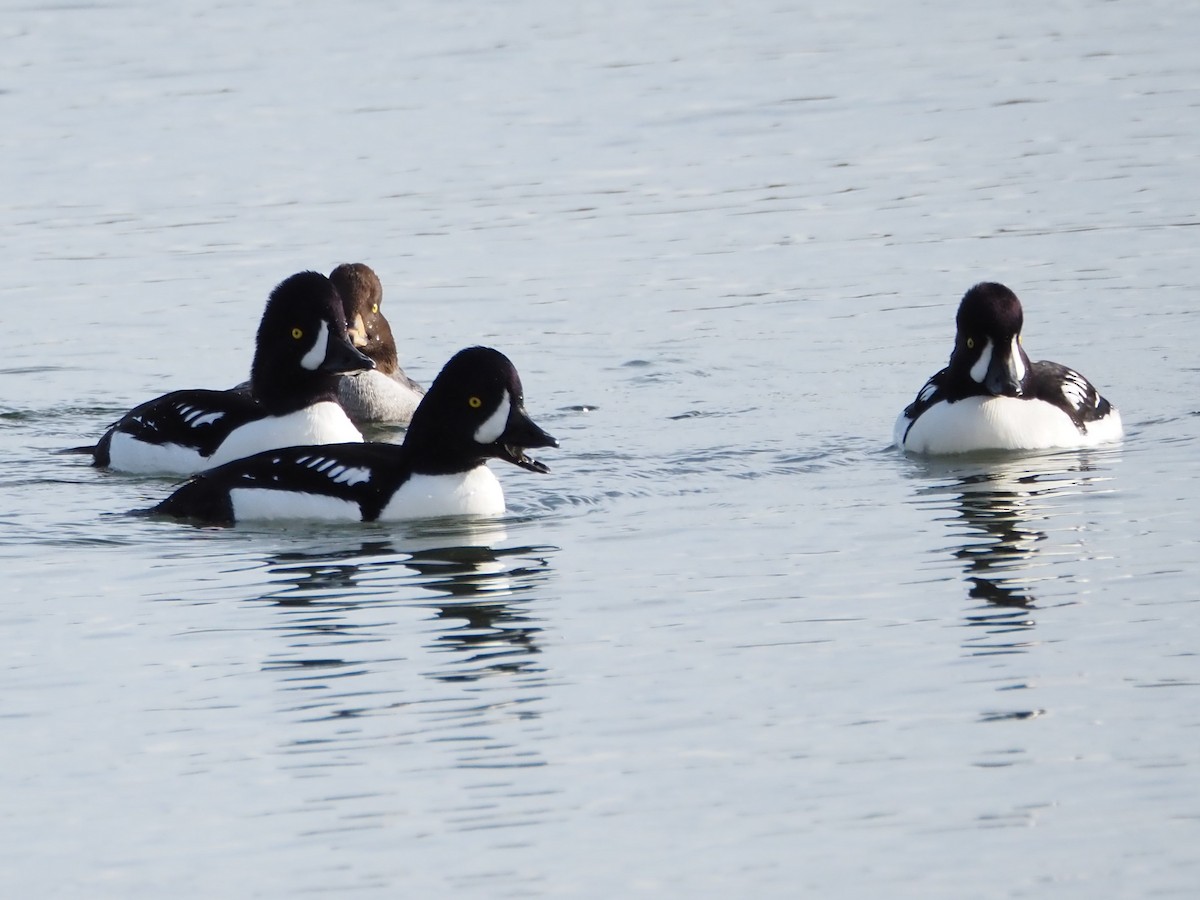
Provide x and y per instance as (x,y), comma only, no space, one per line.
(992,397)
(385,393)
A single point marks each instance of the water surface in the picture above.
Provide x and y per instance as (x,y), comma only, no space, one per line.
(733,644)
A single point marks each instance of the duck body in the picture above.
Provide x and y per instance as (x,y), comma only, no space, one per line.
(300,349)
(992,397)
(474,412)
(376,397)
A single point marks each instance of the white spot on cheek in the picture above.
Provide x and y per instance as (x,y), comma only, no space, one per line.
(316,355)
(979,370)
(495,424)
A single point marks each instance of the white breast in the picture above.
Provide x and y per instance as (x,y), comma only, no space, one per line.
(321,423)
(473,493)
(1000,423)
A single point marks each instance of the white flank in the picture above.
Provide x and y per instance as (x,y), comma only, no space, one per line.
(495,424)
(979,370)
(321,423)
(999,423)
(473,493)
(316,355)
(126,454)
(265,503)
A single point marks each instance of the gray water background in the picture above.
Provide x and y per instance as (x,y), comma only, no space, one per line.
(733,645)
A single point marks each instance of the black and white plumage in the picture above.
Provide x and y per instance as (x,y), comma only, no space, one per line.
(992,397)
(474,412)
(300,350)
(385,393)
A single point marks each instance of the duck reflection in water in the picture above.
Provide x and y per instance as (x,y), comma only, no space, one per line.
(332,596)
(1006,513)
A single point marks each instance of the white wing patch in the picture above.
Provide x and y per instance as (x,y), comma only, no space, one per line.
(1075,389)
(335,471)
(926,392)
(194,416)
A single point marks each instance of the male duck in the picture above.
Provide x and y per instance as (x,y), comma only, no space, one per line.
(300,350)
(474,411)
(992,397)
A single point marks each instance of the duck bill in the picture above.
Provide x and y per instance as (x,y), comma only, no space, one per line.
(519,435)
(1006,371)
(341,356)
(358,332)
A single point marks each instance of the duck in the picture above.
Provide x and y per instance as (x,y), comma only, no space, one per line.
(992,397)
(383,394)
(301,348)
(474,411)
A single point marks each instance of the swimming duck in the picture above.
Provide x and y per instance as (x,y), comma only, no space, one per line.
(385,393)
(992,397)
(474,411)
(300,351)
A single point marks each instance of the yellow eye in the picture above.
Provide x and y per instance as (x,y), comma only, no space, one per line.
(297,333)
(474,403)
(970,343)
(375,308)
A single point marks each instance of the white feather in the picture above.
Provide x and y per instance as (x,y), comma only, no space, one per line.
(1075,389)
(127,454)
(473,493)
(265,503)
(1018,362)
(495,424)
(321,423)
(979,370)
(316,355)
(999,423)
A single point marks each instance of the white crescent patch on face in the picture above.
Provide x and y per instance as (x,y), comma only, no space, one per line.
(1018,364)
(979,370)
(495,424)
(316,355)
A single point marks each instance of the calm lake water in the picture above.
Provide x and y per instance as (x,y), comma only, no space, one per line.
(733,645)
